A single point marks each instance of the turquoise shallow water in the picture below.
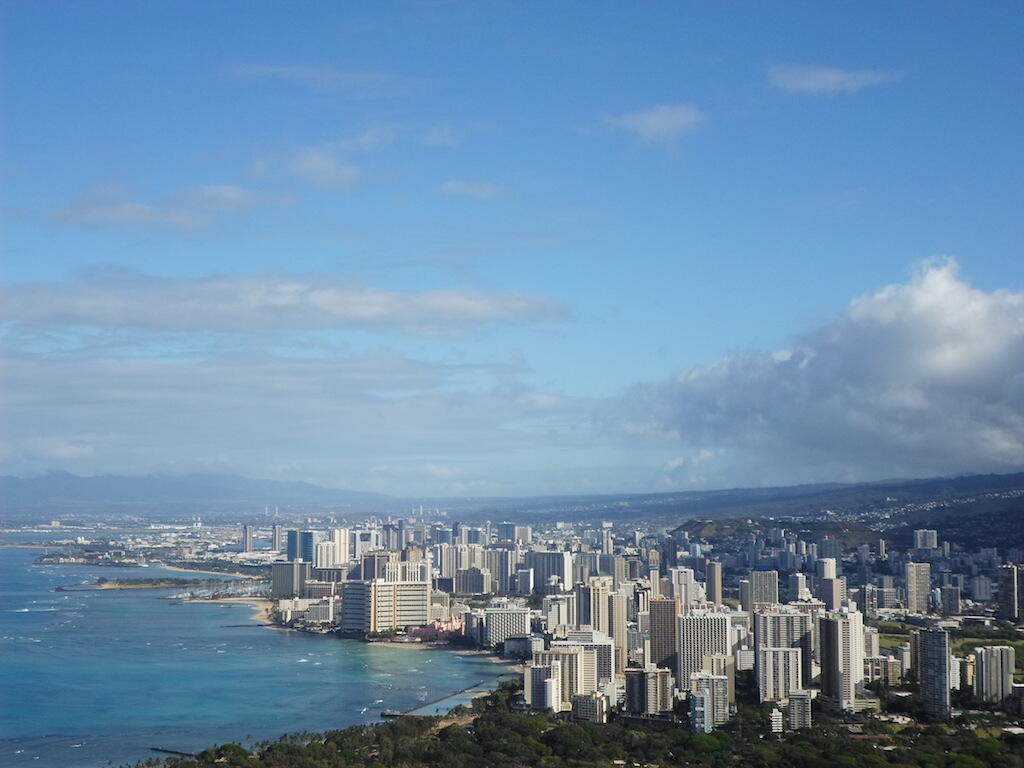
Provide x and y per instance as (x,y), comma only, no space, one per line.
(93,678)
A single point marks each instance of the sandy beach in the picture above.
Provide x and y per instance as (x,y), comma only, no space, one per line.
(261,607)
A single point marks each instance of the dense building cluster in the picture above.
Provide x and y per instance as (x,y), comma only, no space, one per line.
(671,626)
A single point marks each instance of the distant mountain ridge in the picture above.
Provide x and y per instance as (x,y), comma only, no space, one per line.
(64,487)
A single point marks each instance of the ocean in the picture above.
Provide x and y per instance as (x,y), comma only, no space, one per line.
(98,677)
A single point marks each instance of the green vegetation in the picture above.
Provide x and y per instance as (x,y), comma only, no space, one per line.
(498,737)
(891,641)
(223,566)
(158,582)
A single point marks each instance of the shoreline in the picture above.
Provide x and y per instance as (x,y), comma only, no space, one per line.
(261,607)
(200,570)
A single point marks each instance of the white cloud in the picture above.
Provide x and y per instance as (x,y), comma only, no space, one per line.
(327,164)
(479,190)
(241,303)
(323,167)
(826,80)
(189,209)
(920,378)
(662,123)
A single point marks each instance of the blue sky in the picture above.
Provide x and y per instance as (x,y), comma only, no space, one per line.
(471,248)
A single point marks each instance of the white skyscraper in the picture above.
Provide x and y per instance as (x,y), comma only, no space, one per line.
(709,701)
(778,673)
(701,632)
(787,627)
(542,686)
(501,623)
(993,672)
(842,657)
(578,666)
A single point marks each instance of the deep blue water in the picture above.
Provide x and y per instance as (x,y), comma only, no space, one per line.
(90,678)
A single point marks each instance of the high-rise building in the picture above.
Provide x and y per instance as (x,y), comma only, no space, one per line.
(578,667)
(649,691)
(559,610)
(501,562)
(591,707)
(506,531)
(709,701)
(503,622)
(600,644)
(379,605)
(950,597)
(825,568)
(702,632)
(764,587)
(592,603)
(542,686)
(1009,592)
(713,581)
(288,579)
(248,533)
(702,711)
(926,539)
(798,587)
(933,673)
(546,565)
(326,555)
(799,710)
(473,581)
(919,587)
(618,611)
(787,627)
(778,673)
(373,564)
(842,657)
(993,672)
(832,591)
(277,538)
(664,632)
(342,540)
(685,587)
(723,664)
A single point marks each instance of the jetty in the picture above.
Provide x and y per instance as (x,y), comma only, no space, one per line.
(391,713)
(173,752)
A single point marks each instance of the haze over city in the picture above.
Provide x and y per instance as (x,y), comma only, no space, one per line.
(496,249)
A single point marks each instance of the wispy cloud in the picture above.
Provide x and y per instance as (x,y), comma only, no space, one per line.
(479,190)
(125,299)
(189,209)
(826,80)
(319,77)
(662,123)
(377,420)
(328,163)
(323,167)
(444,136)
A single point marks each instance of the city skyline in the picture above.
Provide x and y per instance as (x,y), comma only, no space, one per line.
(450,250)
